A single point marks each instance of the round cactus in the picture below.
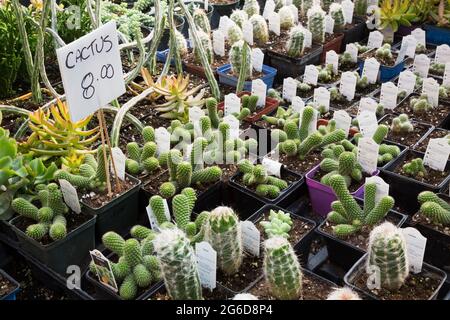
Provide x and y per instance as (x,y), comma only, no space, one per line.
(251,7)
(239,17)
(260,29)
(234,34)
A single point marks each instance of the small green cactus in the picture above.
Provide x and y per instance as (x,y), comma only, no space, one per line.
(251,7)
(260,30)
(337,14)
(420,105)
(236,58)
(434,208)
(343,294)
(415,168)
(239,17)
(344,164)
(294,45)
(401,125)
(361,7)
(279,224)
(181,43)
(234,34)
(316,24)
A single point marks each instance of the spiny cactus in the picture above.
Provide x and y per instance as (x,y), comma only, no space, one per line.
(239,17)
(420,105)
(343,163)
(361,7)
(205,39)
(251,7)
(260,29)
(384,54)
(401,125)
(279,224)
(306,5)
(415,168)
(142,5)
(326,4)
(316,24)
(282,269)
(287,19)
(337,14)
(387,252)
(236,58)
(294,45)
(143,158)
(280,117)
(437,68)
(343,294)
(234,34)
(201,20)
(434,208)
(181,43)
(386,153)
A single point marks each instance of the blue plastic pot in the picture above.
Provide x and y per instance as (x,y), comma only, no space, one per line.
(12,294)
(225,78)
(385,73)
(436,35)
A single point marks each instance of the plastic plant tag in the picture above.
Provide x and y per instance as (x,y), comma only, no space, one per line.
(353,50)
(348,85)
(268,9)
(421,65)
(411,44)
(119,162)
(402,53)
(367,122)
(446,78)
(224,24)
(195,113)
(206,264)
(257,59)
(289,88)
(311,75)
(382,187)
(187,150)
(273,167)
(407,81)
(430,87)
(162,139)
(388,95)
(274,23)
(91,71)
(70,195)
(103,270)
(368,105)
(152,218)
(219,42)
(343,120)
(332,58)
(297,104)
(415,248)
(442,54)
(232,104)
(234,125)
(368,154)
(329,24)
(375,40)
(436,155)
(247,30)
(313,124)
(307,42)
(322,97)
(419,34)
(251,238)
(294,10)
(259,89)
(191,37)
(370,70)
(348,7)
(206,5)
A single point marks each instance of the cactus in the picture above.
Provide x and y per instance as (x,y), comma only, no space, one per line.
(178,265)
(343,294)
(326,5)
(434,208)
(361,7)
(234,34)
(306,5)
(344,164)
(420,105)
(384,54)
(387,252)
(401,125)
(279,224)
(142,159)
(415,168)
(287,19)
(181,43)
(236,58)
(294,45)
(239,17)
(437,68)
(316,24)
(201,20)
(338,15)
(205,39)
(260,30)
(282,269)
(251,7)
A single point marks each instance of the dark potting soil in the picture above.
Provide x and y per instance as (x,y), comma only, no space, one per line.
(288,178)
(6,286)
(353,111)
(73,221)
(410,138)
(189,59)
(435,134)
(146,178)
(278,44)
(129,134)
(433,117)
(250,270)
(153,185)
(348,67)
(300,166)
(416,287)
(341,103)
(367,90)
(306,94)
(433,177)
(330,37)
(217,294)
(154,119)
(228,170)
(255,75)
(423,220)
(313,288)
(222,1)
(354,184)
(383,62)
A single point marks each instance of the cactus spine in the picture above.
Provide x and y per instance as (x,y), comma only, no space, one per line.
(434,208)
(260,29)
(201,20)
(316,24)
(234,34)
(251,7)
(343,294)
(294,45)
(205,39)
(239,17)
(338,15)
(236,59)
(287,19)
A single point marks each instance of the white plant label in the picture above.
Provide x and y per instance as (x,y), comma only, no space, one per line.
(406,81)
(259,89)
(152,218)
(322,97)
(91,71)
(343,120)
(368,105)
(273,167)
(70,195)
(415,248)
(162,139)
(419,34)
(206,5)
(100,261)
(307,42)
(436,155)
(311,75)
(348,7)
(332,58)
(232,104)
(187,150)
(206,264)
(375,40)
(446,78)
(348,85)
(430,87)
(268,9)
(353,50)
(257,59)
(388,95)
(370,70)
(274,23)
(411,44)
(251,238)
(119,162)
(247,30)
(297,104)
(195,113)
(313,124)
(329,24)
(219,42)
(192,41)
(382,187)
(289,88)
(367,122)
(442,54)
(234,126)
(421,65)
(294,10)
(368,154)
(224,24)
(402,54)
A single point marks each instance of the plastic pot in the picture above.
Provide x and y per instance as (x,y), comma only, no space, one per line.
(356,34)
(360,267)
(118,215)
(12,294)
(165,38)
(224,293)
(385,73)
(322,196)
(58,255)
(230,80)
(199,4)
(436,35)
(222,10)
(334,44)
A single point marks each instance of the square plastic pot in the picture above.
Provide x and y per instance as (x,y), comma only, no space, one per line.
(436,35)
(12,294)
(385,73)
(224,78)
(360,267)
(335,44)
(356,34)
(225,293)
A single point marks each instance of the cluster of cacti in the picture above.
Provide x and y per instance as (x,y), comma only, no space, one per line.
(181,43)
(316,24)
(251,7)
(378,136)
(443,92)
(343,294)
(240,57)
(178,265)
(201,20)
(420,48)
(294,45)
(384,54)
(361,48)
(205,39)
(281,116)
(434,208)
(346,60)
(361,82)
(266,186)
(279,224)
(142,159)
(142,5)
(360,7)
(437,68)
(326,73)
(420,105)
(282,269)
(235,34)
(387,253)
(239,17)
(401,125)
(260,29)
(49,217)
(274,94)
(137,266)
(287,19)
(387,152)
(347,216)
(415,168)
(336,96)
(337,14)
(338,161)
(326,4)
(303,87)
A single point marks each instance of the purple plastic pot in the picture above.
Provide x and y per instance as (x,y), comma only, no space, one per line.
(322,196)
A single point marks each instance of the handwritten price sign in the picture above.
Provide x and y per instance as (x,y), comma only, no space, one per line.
(91,71)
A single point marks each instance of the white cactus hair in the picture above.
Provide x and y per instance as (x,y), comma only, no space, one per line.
(343,294)
(181,43)
(239,17)
(245,296)
(315,9)
(287,19)
(335,7)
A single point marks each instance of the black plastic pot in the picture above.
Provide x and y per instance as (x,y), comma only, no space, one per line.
(58,255)
(222,10)
(224,293)
(7,232)
(200,4)
(118,215)
(164,43)
(404,189)
(356,34)
(12,294)
(360,267)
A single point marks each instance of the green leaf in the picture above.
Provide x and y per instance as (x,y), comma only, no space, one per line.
(8,147)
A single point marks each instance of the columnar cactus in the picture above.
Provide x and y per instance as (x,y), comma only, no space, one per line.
(201,20)
(294,45)
(205,39)
(282,269)
(434,208)
(316,24)
(142,158)
(401,125)
(326,4)
(343,294)
(251,7)
(287,19)
(343,163)
(337,14)
(234,34)
(236,58)
(178,265)
(306,5)
(387,253)
(181,43)
(260,29)
(360,7)
(239,17)
(415,168)
(223,232)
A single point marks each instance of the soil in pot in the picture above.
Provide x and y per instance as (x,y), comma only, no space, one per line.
(249,272)
(341,104)
(334,78)
(367,91)
(355,185)
(189,59)
(384,61)
(153,185)
(348,67)
(423,220)
(409,139)
(255,75)
(278,44)
(353,111)
(6,286)
(306,94)
(218,293)
(228,170)
(435,134)
(433,117)
(298,166)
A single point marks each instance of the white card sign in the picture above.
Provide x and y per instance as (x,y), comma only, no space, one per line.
(442,54)
(273,167)
(370,70)
(322,97)
(307,42)
(368,154)
(407,81)
(232,104)
(343,120)
(329,24)
(206,264)
(70,195)
(419,35)
(375,40)
(219,42)
(332,58)
(234,126)
(224,24)
(274,23)
(311,75)
(91,71)
(421,65)
(297,104)
(289,88)
(348,85)
(119,162)
(411,44)
(257,59)
(247,30)
(382,187)
(436,155)
(367,122)
(388,95)
(251,238)
(415,248)
(347,8)
(294,10)
(430,87)
(352,49)
(259,89)
(368,105)
(268,9)
(100,261)
(162,139)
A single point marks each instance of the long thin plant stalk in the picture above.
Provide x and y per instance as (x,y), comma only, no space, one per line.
(158,31)
(173,42)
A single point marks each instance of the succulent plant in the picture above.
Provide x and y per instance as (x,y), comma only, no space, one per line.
(142,159)
(340,162)
(260,29)
(326,74)
(279,224)
(201,20)
(337,14)
(280,117)
(294,45)
(239,17)
(415,168)
(234,34)
(306,5)
(181,43)
(434,208)
(236,59)
(287,19)
(143,5)
(401,125)
(326,4)
(384,54)
(437,68)
(205,39)
(386,153)
(251,7)
(420,105)
(361,7)
(343,294)
(316,24)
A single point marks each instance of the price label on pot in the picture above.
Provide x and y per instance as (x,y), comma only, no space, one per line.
(297,104)
(406,82)
(367,122)
(70,195)
(368,154)
(219,42)
(257,59)
(368,105)
(251,238)
(311,75)
(348,85)
(232,104)
(348,7)
(421,65)
(375,40)
(259,89)
(234,126)
(332,58)
(307,42)
(119,162)
(294,10)
(382,187)
(410,43)
(91,71)
(322,97)
(446,78)
(436,155)
(430,87)
(206,264)
(313,124)
(273,167)
(352,49)
(415,248)
(419,34)
(162,139)
(247,30)
(103,270)
(274,23)
(402,54)
(289,88)
(388,95)
(152,218)
(442,54)
(370,70)
(268,8)
(329,24)
(343,120)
